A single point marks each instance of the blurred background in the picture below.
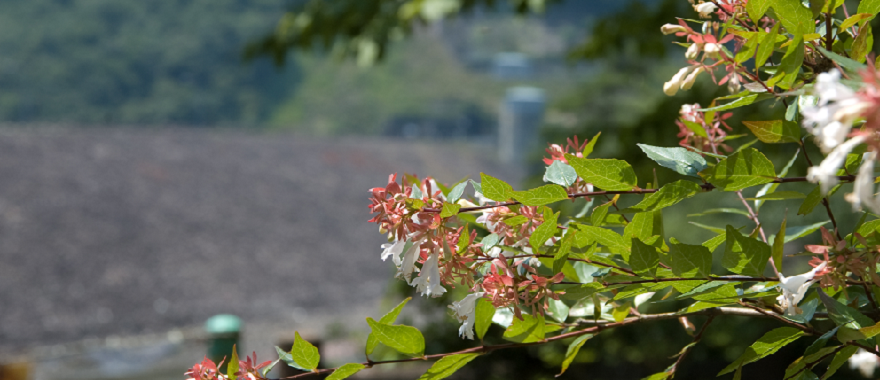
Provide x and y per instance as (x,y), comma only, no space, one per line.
(178,176)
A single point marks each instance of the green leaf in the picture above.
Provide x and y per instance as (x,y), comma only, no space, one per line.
(696,128)
(860,45)
(561,256)
(768,344)
(345,371)
(739,102)
(776,131)
(541,196)
(724,210)
(558,310)
(528,329)
(489,241)
(582,291)
(843,315)
(771,187)
(690,260)
(516,220)
(232,365)
(590,145)
(644,258)
(852,20)
(813,199)
(606,237)
(446,366)
(778,246)
(679,159)
(668,195)
(757,8)
(844,62)
(390,317)
(545,231)
(456,192)
(709,228)
(572,351)
(606,174)
(288,359)
(797,232)
(560,173)
(788,69)
(304,353)
(599,213)
(869,6)
(644,225)
(796,18)
(747,51)
(494,188)
(483,317)
(839,360)
(713,243)
(744,255)
(449,209)
(766,46)
(741,170)
(405,339)
(779,196)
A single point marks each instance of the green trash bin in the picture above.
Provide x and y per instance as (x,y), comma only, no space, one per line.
(224,331)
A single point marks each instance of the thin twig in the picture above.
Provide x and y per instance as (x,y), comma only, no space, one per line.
(690,347)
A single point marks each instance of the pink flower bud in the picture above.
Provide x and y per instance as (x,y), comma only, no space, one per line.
(705,9)
(689,81)
(671,88)
(672,28)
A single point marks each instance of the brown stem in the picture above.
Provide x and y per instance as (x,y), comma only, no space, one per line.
(829,39)
(778,317)
(691,347)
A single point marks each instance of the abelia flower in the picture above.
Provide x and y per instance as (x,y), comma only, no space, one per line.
(831,118)
(206,370)
(691,78)
(408,264)
(794,287)
(393,250)
(864,361)
(826,173)
(863,187)
(465,311)
(428,282)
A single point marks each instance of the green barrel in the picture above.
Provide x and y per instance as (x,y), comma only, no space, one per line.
(223,331)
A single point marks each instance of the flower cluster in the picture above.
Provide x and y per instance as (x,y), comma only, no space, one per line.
(248,369)
(557,154)
(702,133)
(830,116)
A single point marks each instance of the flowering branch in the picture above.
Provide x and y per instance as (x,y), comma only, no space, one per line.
(485,349)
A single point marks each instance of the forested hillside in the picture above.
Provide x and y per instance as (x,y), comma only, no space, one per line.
(137,62)
(179,63)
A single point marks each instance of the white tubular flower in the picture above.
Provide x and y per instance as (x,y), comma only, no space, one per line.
(689,81)
(671,88)
(490,225)
(711,50)
(428,282)
(734,85)
(393,250)
(864,361)
(465,311)
(408,265)
(693,51)
(705,9)
(672,28)
(830,120)
(863,187)
(497,251)
(826,173)
(794,288)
